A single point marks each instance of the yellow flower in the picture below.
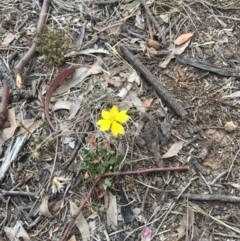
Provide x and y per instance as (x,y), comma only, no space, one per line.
(113,119)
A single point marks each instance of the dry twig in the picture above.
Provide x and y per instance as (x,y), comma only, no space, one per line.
(160,90)
(106,2)
(27,57)
(154,21)
(4,102)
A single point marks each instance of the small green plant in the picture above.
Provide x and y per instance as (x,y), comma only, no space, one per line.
(52,45)
(38,145)
(99,161)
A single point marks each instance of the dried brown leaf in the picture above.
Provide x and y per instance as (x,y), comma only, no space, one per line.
(91,140)
(30,125)
(136,101)
(183,38)
(174,149)
(73,238)
(116,81)
(235,185)
(10,131)
(43,209)
(17,232)
(165,17)
(112,210)
(80,222)
(124,91)
(186,223)
(134,77)
(147,102)
(8,39)
(177,50)
(106,145)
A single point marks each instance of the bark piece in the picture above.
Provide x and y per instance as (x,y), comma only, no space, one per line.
(205,65)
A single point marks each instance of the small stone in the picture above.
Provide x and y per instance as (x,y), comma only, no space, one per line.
(159,182)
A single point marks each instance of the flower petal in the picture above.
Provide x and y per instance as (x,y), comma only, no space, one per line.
(106,115)
(122,117)
(104,124)
(114,111)
(117,129)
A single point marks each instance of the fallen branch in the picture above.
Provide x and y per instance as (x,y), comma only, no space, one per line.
(160,90)
(114,174)
(18,193)
(212,197)
(27,57)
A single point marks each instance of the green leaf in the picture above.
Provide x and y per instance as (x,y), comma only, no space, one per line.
(112,160)
(119,159)
(108,182)
(103,152)
(101,169)
(111,153)
(89,152)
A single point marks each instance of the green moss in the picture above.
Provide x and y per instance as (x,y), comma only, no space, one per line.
(53,45)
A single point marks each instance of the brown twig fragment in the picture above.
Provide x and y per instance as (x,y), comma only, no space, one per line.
(154,21)
(114,174)
(150,32)
(4,102)
(160,90)
(26,58)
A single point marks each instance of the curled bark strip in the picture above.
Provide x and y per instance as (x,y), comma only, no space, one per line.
(160,90)
(54,84)
(114,174)
(4,102)
(26,58)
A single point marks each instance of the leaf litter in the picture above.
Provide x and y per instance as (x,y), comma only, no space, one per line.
(103,78)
